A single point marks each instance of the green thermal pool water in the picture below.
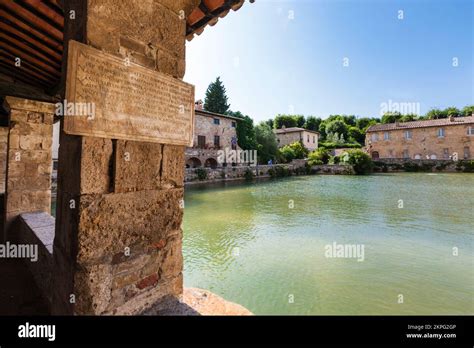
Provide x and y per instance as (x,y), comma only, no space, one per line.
(245,243)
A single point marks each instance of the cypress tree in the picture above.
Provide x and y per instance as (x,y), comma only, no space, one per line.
(216,98)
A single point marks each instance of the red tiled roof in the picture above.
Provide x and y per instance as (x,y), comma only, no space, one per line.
(422,124)
(208,13)
(293,129)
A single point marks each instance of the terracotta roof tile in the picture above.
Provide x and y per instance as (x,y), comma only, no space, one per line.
(421,124)
(292,129)
(208,13)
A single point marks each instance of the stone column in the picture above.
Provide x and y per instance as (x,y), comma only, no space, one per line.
(29,163)
(118,231)
(3,157)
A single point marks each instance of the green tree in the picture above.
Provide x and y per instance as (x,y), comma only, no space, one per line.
(299,150)
(300,121)
(361,161)
(434,114)
(245,131)
(365,122)
(286,154)
(391,117)
(216,98)
(270,122)
(468,110)
(312,123)
(356,135)
(284,120)
(267,146)
(452,111)
(319,156)
(350,120)
(408,118)
(337,126)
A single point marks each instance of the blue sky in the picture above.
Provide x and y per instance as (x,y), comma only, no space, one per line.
(288,56)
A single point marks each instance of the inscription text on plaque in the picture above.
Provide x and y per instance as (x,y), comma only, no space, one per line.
(131,102)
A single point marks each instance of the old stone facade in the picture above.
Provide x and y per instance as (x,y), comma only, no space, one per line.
(212,132)
(430,139)
(119,250)
(115,246)
(286,136)
(3,157)
(29,162)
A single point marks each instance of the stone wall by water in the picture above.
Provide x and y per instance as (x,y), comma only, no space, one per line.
(230,173)
(413,165)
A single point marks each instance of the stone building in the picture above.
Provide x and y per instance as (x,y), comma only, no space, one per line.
(429,139)
(115,245)
(212,132)
(308,138)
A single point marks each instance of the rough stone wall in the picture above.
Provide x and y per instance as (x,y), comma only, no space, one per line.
(29,164)
(232,173)
(412,165)
(204,125)
(424,142)
(3,157)
(291,137)
(333,169)
(121,243)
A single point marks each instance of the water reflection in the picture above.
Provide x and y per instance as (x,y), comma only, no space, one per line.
(247,244)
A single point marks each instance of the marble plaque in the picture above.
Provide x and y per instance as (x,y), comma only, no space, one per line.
(109,97)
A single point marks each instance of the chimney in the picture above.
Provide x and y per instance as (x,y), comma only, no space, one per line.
(451,118)
(198,105)
(283,127)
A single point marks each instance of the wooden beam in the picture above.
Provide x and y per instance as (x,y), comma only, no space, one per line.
(74,29)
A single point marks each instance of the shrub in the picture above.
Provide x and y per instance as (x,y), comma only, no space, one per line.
(248,174)
(465,166)
(304,170)
(201,173)
(331,145)
(286,154)
(292,151)
(334,160)
(320,156)
(279,171)
(359,160)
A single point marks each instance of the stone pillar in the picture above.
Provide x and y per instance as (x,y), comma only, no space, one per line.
(118,230)
(3,157)
(29,163)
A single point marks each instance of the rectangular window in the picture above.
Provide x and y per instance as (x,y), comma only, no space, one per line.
(234,143)
(201,141)
(217,140)
(470,130)
(307,138)
(217,121)
(375,137)
(406,154)
(386,136)
(441,133)
(467,152)
(234,124)
(408,134)
(314,139)
(446,153)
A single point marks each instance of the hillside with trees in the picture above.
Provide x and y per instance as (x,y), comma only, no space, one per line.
(336,131)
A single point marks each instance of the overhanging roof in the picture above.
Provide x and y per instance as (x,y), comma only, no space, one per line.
(34,31)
